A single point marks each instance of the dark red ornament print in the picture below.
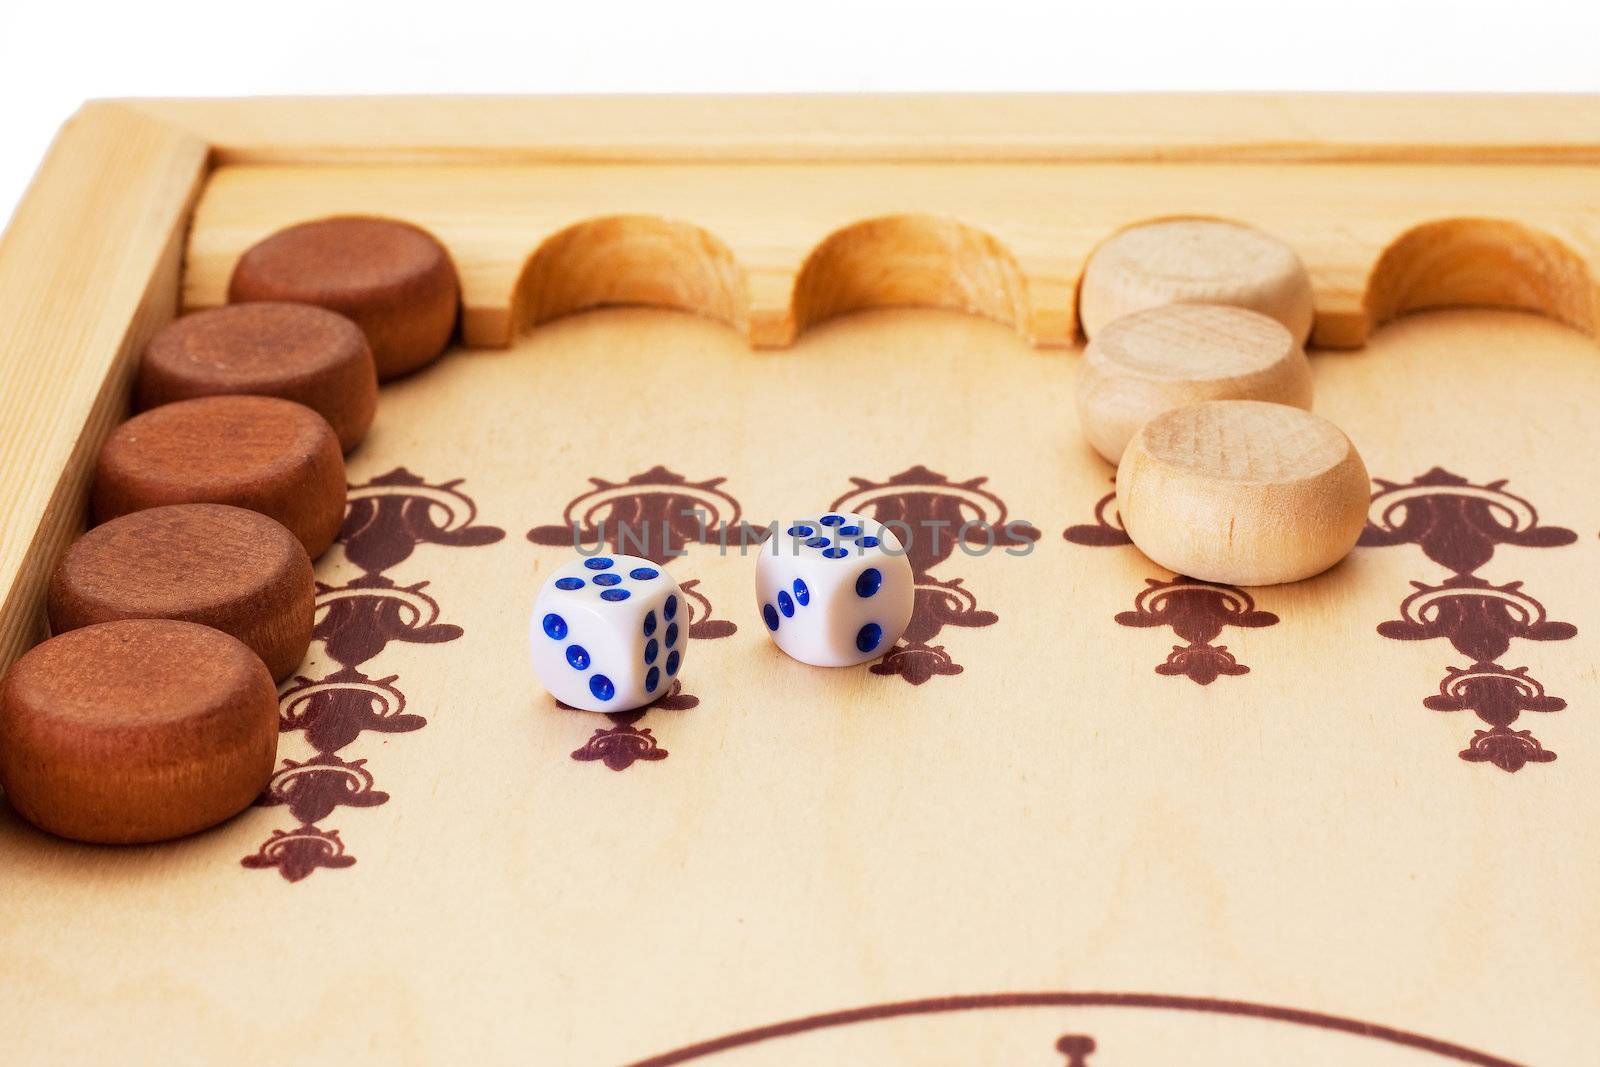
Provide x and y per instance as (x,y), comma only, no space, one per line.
(1459,525)
(387,519)
(1105,531)
(621,745)
(1196,611)
(942,516)
(1076,1048)
(656,515)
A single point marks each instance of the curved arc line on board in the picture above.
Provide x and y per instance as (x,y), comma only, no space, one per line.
(1156,1001)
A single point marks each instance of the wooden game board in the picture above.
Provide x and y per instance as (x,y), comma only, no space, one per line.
(1089,813)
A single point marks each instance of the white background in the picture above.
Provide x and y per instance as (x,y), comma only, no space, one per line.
(54,55)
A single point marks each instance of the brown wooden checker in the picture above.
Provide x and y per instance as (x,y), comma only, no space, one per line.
(393,279)
(225,567)
(258,452)
(295,351)
(138,730)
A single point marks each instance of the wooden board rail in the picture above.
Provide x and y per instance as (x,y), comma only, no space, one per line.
(899,127)
(772,249)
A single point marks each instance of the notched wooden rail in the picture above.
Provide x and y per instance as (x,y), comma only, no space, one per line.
(763,248)
(909,261)
(637,260)
(1482,263)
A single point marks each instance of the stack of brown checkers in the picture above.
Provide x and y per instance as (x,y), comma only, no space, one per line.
(152,713)
(1195,384)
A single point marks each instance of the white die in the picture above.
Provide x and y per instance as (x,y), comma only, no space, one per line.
(609,633)
(835,590)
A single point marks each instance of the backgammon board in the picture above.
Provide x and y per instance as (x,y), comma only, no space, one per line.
(1087,812)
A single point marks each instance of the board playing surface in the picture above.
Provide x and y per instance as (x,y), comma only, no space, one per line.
(1133,819)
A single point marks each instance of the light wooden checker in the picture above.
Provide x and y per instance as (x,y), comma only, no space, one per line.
(1242,491)
(1195,261)
(1154,360)
(1178,821)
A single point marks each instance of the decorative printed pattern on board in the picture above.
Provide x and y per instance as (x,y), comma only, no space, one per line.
(656,514)
(1459,524)
(387,519)
(1076,1048)
(943,515)
(1197,612)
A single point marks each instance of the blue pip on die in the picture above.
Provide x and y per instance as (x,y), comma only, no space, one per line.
(836,590)
(609,633)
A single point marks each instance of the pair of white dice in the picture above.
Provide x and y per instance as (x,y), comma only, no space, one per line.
(609,633)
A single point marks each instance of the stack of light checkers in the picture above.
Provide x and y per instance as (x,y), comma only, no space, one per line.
(1196,385)
(153,712)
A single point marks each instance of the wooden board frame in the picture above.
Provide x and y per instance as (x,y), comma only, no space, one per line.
(121,230)
(92,262)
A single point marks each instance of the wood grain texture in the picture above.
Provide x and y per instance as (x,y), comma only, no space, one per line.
(630,260)
(1482,262)
(88,272)
(804,241)
(1242,492)
(925,127)
(1152,361)
(257,452)
(388,277)
(1186,260)
(910,261)
(293,351)
(136,731)
(225,567)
